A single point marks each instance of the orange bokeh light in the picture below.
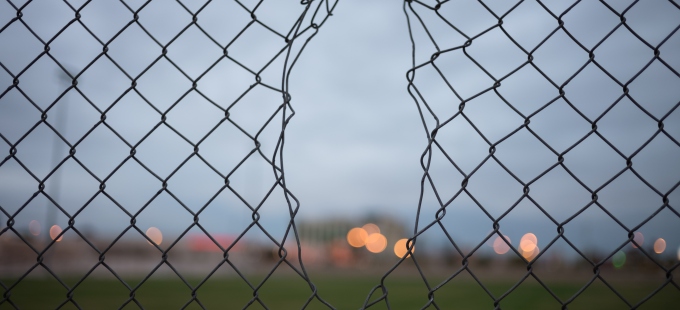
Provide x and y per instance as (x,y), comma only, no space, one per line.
(528,243)
(55,230)
(356,237)
(659,246)
(530,255)
(371,228)
(376,243)
(499,245)
(638,238)
(34,227)
(155,235)
(400,248)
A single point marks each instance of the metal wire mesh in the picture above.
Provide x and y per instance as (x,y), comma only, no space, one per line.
(39,45)
(441,35)
(444,101)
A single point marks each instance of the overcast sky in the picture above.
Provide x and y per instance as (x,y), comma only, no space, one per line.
(355,143)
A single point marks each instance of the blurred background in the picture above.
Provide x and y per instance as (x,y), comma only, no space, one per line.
(353,148)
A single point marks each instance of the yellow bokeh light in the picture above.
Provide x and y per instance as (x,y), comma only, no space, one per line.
(376,243)
(371,228)
(55,230)
(499,245)
(356,237)
(638,238)
(400,248)
(34,227)
(659,246)
(155,235)
(528,243)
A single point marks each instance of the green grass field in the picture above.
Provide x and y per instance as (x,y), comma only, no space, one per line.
(343,292)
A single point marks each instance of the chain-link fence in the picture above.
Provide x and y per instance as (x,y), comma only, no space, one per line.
(542,119)
(582,69)
(246,99)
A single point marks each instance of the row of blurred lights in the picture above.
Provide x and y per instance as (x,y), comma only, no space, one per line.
(34,228)
(369,236)
(528,247)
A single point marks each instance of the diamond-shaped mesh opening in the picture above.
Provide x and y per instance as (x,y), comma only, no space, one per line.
(59,260)
(153,89)
(639,206)
(132,186)
(17,188)
(459,132)
(133,50)
(559,57)
(193,106)
(599,295)
(71,178)
(223,20)
(14,107)
(131,118)
(103,93)
(88,292)
(524,155)
(225,73)
(149,293)
(104,26)
(493,188)
(195,183)
(57,15)
(194,52)
(626,139)
(593,154)
(647,88)
(656,167)
(43,82)
(540,296)
(655,30)
(559,194)
(527,102)
(75,59)
(40,163)
(101,152)
(163,30)
(73,107)
(592,85)
(528,33)
(589,22)
(622,55)
(23,292)
(468,79)
(433,88)
(504,57)
(255,56)
(21,48)
(163,151)
(493,117)
(559,125)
